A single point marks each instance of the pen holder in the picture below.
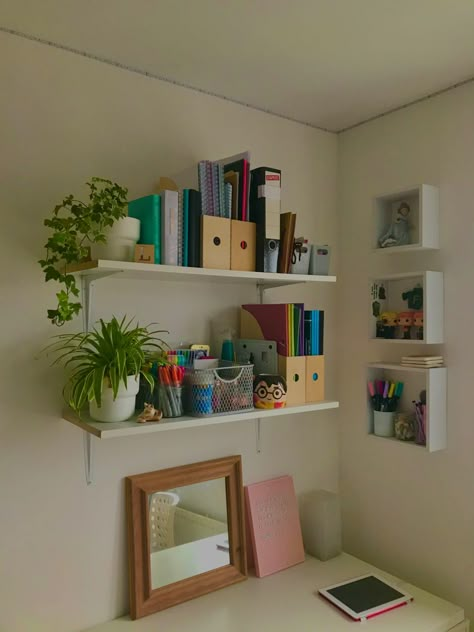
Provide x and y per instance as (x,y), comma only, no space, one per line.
(384,424)
(171,400)
(420,427)
(224,389)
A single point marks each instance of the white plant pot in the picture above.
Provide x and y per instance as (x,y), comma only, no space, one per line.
(120,409)
(384,424)
(121,241)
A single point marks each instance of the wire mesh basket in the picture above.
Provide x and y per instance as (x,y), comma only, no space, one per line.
(226,389)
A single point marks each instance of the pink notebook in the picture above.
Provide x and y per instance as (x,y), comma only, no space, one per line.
(275,530)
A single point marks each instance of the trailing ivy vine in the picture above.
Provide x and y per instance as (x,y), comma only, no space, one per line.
(76,224)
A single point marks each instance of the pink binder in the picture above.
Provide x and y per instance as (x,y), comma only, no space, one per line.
(275,529)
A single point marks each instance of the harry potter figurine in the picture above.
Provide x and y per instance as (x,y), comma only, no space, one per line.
(406,322)
(418,322)
(269,391)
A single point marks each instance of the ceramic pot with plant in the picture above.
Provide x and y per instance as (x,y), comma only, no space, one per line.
(76,226)
(105,367)
(121,239)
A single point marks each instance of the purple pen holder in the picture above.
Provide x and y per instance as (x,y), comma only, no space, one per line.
(420,427)
(384,425)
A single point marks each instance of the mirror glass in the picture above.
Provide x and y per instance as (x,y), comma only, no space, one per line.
(188,531)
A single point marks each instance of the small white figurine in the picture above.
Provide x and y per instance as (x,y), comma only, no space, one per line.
(398,233)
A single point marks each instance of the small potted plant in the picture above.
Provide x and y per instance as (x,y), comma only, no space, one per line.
(101,223)
(106,364)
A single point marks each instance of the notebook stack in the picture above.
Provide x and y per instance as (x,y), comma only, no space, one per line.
(423,362)
(297,332)
(171,223)
(225,187)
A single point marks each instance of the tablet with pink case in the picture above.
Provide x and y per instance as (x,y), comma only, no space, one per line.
(275,530)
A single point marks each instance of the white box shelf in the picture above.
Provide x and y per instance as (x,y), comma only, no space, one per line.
(433,381)
(423,201)
(388,291)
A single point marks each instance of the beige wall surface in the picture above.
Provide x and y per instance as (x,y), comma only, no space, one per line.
(63,119)
(408,511)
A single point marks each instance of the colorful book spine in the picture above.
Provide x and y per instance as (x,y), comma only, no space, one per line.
(308,329)
(228,199)
(180,228)
(194,220)
(246,190)
(314,332)
(148,210)
(315,338)
(203,186)
(169,227)
(215,189)
(321,332)
(186,227)
(220,190)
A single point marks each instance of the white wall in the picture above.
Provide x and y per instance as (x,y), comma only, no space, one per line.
(405,510)
(63,119)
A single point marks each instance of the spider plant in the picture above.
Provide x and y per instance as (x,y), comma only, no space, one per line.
(105,357)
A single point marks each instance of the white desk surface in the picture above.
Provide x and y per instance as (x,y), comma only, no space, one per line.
(186,560)
(287,602)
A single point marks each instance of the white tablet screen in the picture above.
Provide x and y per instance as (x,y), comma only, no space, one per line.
(365,593)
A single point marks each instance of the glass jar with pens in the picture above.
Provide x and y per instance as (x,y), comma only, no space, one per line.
(420,419)
(171,390)
(384,397)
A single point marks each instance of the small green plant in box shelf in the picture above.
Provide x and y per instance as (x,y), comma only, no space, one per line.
(105,366)
(75,225)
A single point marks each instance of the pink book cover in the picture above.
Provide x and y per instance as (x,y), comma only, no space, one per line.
(275,530)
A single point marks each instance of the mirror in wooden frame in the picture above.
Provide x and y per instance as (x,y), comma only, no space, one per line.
(186,533)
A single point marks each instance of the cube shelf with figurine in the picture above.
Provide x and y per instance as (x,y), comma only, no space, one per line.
(407,308)
(407,219)
(415,380)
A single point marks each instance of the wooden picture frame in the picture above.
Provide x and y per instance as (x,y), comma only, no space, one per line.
(145,600)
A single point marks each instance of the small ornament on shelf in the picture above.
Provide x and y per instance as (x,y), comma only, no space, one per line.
(398,232)
(150,413)
(418,322)
(269,391)
(414,298)
(387,324)
(405,426)
(406,322)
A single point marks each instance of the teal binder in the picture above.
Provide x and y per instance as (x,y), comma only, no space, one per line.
(148,210)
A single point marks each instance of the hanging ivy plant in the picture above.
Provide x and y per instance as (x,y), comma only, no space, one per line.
(76,224)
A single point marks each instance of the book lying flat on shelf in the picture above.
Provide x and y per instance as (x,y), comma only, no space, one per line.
(423,361)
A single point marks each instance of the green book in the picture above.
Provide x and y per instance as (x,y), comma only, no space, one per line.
(148,210)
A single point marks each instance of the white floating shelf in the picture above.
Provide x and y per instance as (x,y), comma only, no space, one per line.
(127,428)
(389,290)
(423,200)
(433,381)
(130,270)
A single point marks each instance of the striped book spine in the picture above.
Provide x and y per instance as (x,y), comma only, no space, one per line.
(222,207)
(210,188)
(228,199)
(203,186)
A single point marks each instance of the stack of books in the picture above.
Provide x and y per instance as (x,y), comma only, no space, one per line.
(171,223)
(225,187)
(423,362)
(297,332)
